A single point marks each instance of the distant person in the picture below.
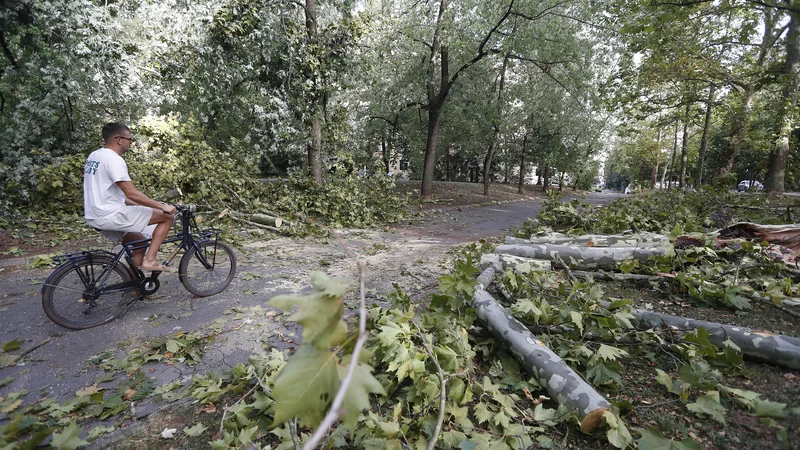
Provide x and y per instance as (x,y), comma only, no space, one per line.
(628,189)
(114,206)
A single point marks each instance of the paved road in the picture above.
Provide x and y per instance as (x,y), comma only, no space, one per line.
(238,318)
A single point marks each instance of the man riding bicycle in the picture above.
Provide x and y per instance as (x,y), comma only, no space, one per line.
(114,206)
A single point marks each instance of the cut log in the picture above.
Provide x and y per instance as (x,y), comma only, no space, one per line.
(759,345)
(264,219)
(595,240)
(562,383)
(584,257)
(520,265)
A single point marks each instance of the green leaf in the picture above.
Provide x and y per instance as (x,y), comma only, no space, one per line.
(767,408)
(652,439)
(69,438)
(195,430)
(482,413)
(577,319)
(320,313)
(98,431)
(174,346)
(306,385)
(610,353)
(12,345)
(709,404)
(617,433)
(357,397)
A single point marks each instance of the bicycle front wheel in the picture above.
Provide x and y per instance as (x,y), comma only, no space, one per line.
(207,271)
(69,297)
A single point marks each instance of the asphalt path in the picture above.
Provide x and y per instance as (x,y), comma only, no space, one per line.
(65,361)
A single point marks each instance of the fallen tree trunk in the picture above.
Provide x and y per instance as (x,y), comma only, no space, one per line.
(584,257)
(561,382)
(759,345)
(594,240)
(520,265)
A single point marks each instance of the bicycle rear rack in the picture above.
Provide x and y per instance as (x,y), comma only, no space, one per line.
(71,257)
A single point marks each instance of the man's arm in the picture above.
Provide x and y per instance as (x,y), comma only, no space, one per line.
(136,197)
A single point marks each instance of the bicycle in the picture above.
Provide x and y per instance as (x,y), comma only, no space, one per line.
(94,287)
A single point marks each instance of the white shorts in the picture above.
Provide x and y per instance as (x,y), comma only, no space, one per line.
(131,219)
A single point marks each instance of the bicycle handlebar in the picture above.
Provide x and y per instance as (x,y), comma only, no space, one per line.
(188,207)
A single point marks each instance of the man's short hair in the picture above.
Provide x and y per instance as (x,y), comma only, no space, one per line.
(112,129)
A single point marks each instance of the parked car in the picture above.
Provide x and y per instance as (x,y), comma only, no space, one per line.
(744,185)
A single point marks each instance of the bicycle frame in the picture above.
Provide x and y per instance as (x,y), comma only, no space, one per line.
(185,237)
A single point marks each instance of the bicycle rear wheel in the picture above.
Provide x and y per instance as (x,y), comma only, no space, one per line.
(67,298)
(208,271)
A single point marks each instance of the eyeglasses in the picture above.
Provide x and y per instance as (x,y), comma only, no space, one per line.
(123,137)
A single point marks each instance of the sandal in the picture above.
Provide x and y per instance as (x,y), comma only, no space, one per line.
(158,268)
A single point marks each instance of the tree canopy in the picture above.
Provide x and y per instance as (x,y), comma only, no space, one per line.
(449,90)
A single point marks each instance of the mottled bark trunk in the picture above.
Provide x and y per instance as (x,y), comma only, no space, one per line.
(582,257)
(684,148)
(562,383)
(593,240)
(779,156)
(760,345)
(701,156)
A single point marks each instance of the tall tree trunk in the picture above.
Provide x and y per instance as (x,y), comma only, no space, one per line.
(522,164)
(315,146)
(740,119)
(701,156)
(435,101)
(487,161)
(779,156)
(684,147)
(546,179)
(385,153)
(654,173)
(672,155)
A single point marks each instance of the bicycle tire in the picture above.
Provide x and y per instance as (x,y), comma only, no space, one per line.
(62,297)
(202,281)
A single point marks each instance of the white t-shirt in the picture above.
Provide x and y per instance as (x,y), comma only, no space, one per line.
(102,197)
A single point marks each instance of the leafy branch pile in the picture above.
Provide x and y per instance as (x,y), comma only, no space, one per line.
(732,274)
(657,212)
(176,155)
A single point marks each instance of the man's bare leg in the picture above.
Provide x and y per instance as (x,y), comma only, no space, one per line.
(138,255)
(164,223)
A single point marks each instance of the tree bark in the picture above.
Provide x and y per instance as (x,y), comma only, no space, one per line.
(520,265)
(698,177)
(672,155)
(594,240)
(582,258)
(315,146)
(684,147)
(654,173)
(522,164)
(546,185)
(487,161)
(741,117)
(760,345)
(779,156)
(562,383)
